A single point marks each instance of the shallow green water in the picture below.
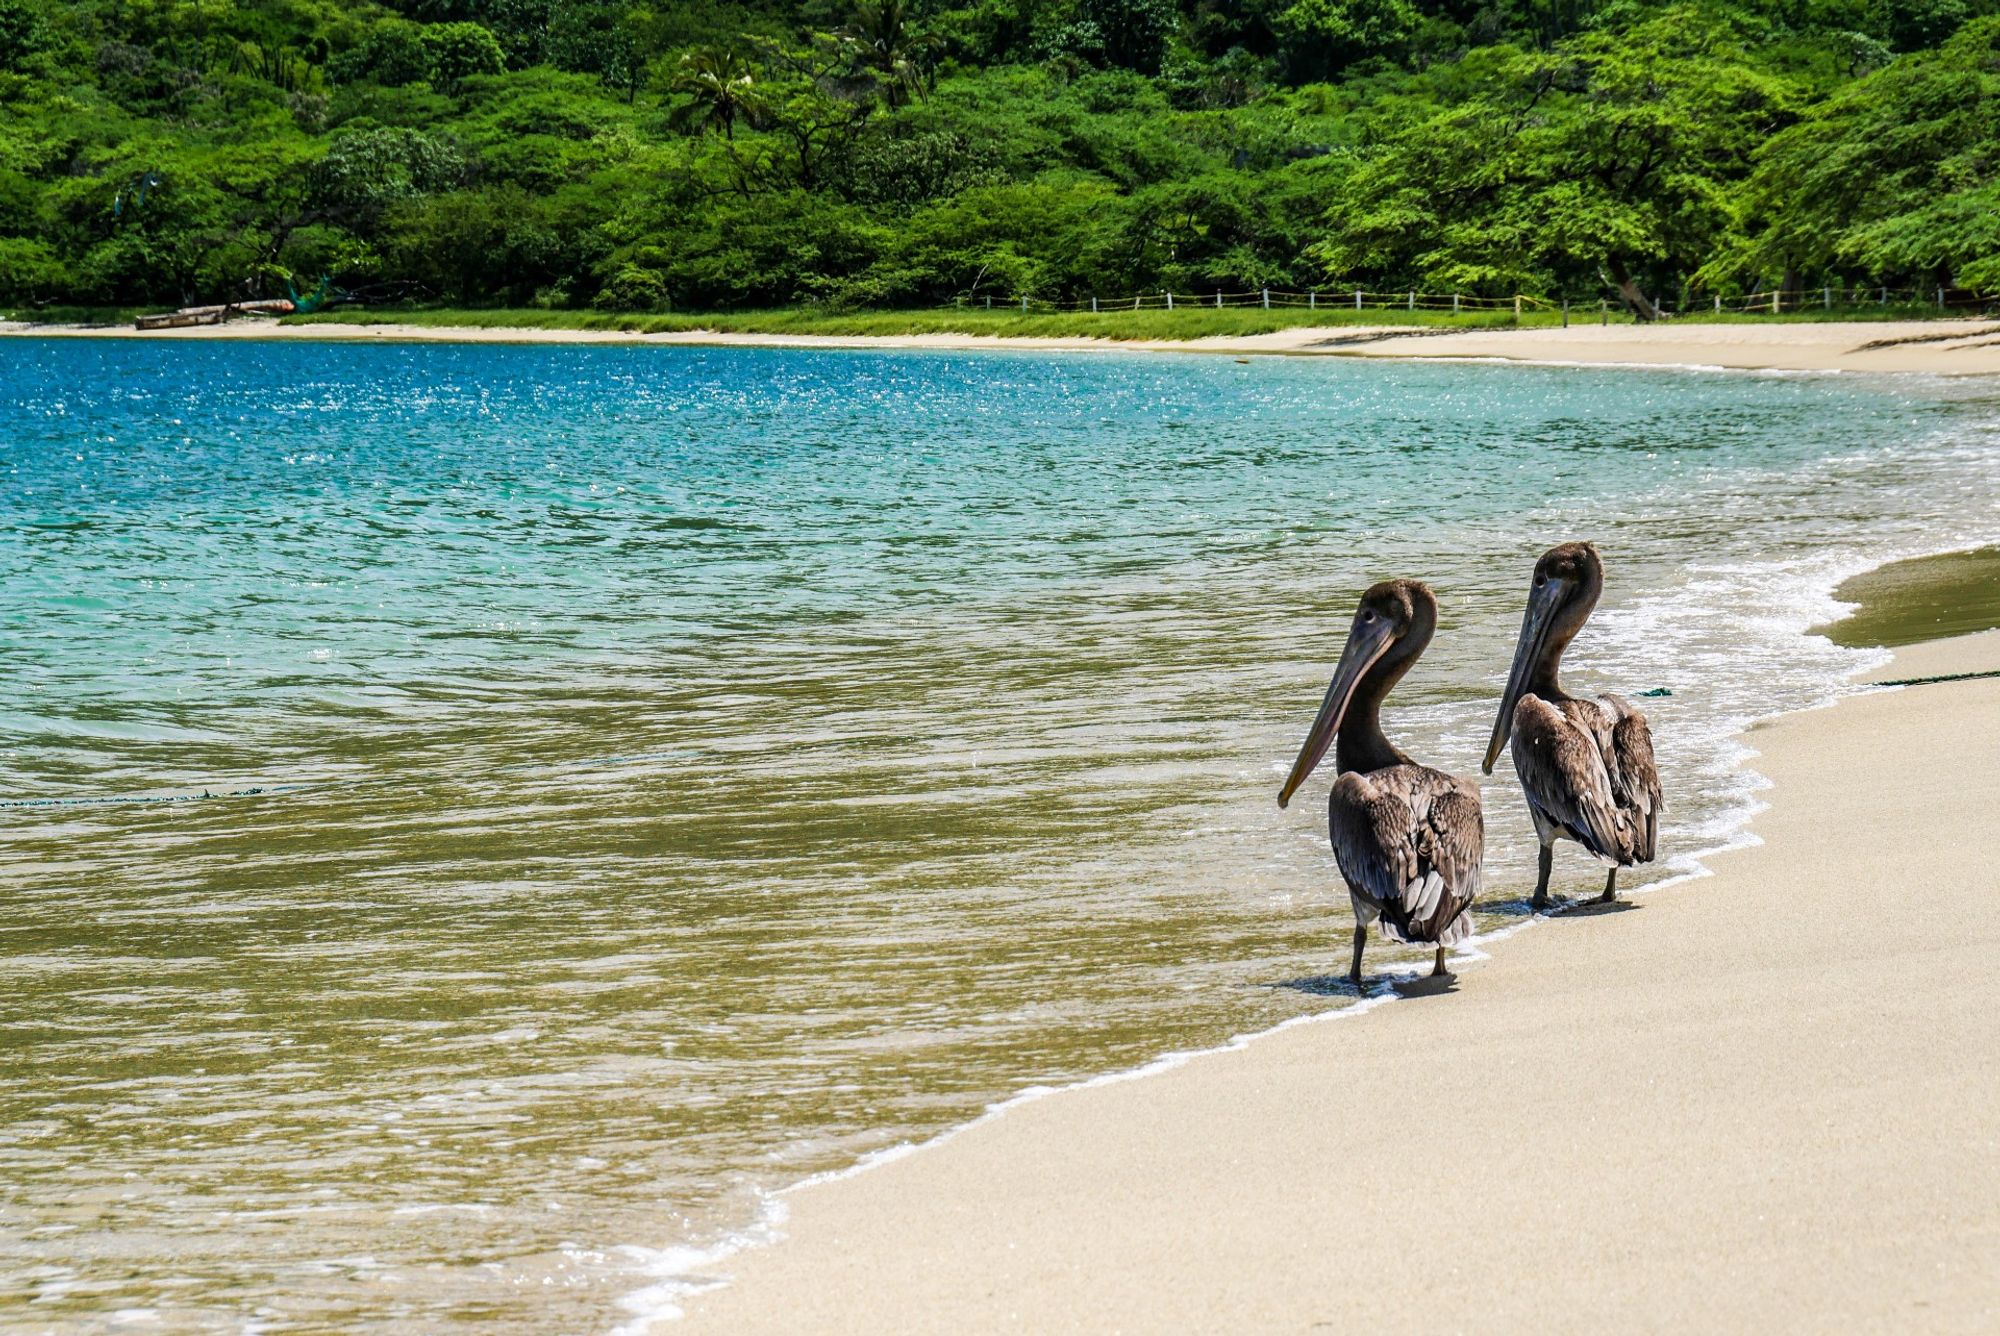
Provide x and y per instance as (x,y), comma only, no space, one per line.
(1921,598)
(687,770)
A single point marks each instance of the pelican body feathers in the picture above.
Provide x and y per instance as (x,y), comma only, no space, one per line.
(1586,769)
(1586,766)
(1408,839)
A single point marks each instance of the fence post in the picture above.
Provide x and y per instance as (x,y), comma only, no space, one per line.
(1218,299)
(1137,300)
(1093,306)
(1267,299)
(1413,301)
(989,303)
(1312,301)
(1454,303)
(1170,301)
(1826,298)
(1775,293)
(1357,299)
(1603,311)
(1718,304)
(1517,306)
(1940,299)
(1885,297)
(1024,303)
(1565,313)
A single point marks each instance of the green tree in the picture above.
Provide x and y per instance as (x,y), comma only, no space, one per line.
(883,42)
(1134,32)
(1039,238)
(454,52)
(812,117)
(366,170)
(519,25)
(1912,25)
(485,245)
(585,37)
(721,89)
(1896,175)
(1614,155)
(30,272)
(20,33)
(391,54)
(1321,37)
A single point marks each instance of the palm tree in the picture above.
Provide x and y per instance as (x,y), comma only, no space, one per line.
(721,87)
(880,39)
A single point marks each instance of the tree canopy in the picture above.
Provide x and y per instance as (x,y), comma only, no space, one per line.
(705,154)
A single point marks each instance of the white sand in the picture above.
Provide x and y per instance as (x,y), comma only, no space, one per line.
(1967,347)
(1765,1101)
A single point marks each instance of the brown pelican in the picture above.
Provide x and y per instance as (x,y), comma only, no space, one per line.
(1408,838)
(1585,765)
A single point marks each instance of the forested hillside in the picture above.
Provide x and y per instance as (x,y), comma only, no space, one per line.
(695,155)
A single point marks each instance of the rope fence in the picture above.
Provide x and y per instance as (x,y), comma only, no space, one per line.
(1323,299)
(1780,300)
(1331,300)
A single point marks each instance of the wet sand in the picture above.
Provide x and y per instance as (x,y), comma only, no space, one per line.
(1924,598)
(1945,347)
(1766,1100)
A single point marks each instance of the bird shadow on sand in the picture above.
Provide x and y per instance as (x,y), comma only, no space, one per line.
(1421,983)
(1561,906)
(1379,985)
(1594,908)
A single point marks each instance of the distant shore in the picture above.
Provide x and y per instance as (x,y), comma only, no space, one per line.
(1758,1101)
(1940,347)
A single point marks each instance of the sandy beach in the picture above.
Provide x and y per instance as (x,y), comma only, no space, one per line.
(1945,347)
(1766,1100)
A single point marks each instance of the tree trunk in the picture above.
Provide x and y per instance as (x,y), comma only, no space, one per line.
(1635,300)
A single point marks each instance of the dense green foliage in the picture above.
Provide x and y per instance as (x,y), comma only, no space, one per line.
(703,154)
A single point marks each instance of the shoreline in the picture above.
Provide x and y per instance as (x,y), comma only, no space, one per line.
(1044,1218)
(1922,347)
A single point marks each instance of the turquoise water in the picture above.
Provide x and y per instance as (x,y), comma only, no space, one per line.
(681,771)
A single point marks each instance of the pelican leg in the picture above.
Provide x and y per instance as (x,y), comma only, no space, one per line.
(1439,968)
(1541,900)
(1610,888)
(1360,940)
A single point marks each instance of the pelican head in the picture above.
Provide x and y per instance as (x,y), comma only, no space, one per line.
(1391,627)
(1568,580)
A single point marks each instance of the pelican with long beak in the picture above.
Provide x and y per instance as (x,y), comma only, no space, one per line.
(1408,838)
(1586,766)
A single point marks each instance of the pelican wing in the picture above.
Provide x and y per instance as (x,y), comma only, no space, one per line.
(1559,754)
(1409,841)
(1634,778)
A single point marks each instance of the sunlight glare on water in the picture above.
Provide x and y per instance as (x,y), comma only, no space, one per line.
(686,770)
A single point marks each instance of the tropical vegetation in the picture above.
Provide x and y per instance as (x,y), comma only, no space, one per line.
(619,156)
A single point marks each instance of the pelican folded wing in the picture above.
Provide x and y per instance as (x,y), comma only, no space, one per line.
(1561,764)
(1408,840)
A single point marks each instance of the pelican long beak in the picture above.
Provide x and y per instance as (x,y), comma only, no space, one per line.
(1535,626)
(1367,642)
